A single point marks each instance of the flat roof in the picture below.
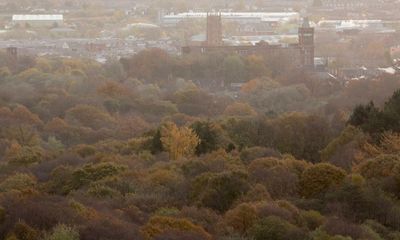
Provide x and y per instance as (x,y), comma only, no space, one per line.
(38,17)
(235,15)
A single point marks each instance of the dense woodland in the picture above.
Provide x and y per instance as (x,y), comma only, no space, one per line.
(158,147)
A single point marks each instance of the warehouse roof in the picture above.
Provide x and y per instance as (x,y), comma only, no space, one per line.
(58,17)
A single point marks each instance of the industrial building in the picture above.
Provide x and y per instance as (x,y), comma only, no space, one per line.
(37,20)
(239,17)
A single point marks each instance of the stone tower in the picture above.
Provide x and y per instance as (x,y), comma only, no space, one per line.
(306,43)
(214,29)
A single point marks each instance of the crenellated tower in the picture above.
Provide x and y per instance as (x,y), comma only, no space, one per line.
(306,44)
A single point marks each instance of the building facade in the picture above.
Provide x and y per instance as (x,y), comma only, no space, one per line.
(214,30)
(301,53)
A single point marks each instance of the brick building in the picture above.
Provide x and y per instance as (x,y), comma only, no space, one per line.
(302,53)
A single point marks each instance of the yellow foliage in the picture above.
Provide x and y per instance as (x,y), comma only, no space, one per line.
(179,142)
(390,143)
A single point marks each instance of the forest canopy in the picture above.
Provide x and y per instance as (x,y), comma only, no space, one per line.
(160,147)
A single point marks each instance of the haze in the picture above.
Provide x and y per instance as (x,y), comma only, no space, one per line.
(199,120)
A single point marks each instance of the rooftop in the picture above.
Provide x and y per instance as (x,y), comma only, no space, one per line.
(38,17)
(264,16)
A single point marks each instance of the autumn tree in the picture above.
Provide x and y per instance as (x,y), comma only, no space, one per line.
(151,65)
(23,231)
(18,182)
(240,109)
(319,178)
(111,89)
(275,228)
(382,166)
(89,116)
(301,135)
(62,232)
(241,218)
(219,191)
(179,141)
(159,226)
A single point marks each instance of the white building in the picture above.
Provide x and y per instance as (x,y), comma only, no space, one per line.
(368,26)
(240,17)
(38,20)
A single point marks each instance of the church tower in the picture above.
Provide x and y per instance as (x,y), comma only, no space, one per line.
(214,29)
(306,43)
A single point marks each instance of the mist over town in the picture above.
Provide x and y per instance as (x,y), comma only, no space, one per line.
(199,120)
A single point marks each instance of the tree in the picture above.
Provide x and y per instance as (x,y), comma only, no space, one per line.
(343,151)
(65,179)
(368,117)
(319,234)
(301,135)
(280,176)
(194,101)
(23,115)
(154,144)
(241,218)
(152,65)
(317,179)
(89,116)
(179,142)
(18,182)
(209,136)
(23,155)
(374,120)
(219,191)
(275,228)
(22,231)
(112,89)
(313,219)
(158,226)
(233,70)
(62,232)
(380,167)
(240,109)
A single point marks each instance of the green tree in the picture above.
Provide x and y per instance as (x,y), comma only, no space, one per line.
(209,135)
